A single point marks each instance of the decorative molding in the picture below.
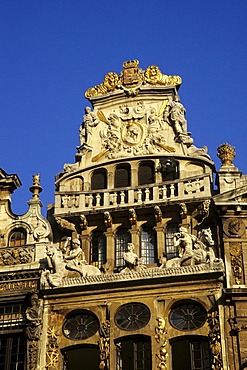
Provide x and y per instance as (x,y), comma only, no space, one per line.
(149,273)
(104,345)
(160,336)
(236,254)
(52,350)
(15,256)
(215,340)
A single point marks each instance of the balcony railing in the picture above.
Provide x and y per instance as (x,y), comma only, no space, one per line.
(189,188)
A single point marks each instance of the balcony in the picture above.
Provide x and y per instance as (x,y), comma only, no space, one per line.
(177,191)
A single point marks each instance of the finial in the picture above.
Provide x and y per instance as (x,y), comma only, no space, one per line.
(36,188)
(226,154)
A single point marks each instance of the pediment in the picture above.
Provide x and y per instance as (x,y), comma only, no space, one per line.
(237,195)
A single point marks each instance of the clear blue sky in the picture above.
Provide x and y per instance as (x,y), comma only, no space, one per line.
(51,51)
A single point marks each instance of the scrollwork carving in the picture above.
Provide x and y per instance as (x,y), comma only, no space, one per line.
(104,345)
(236,261)
(160,336)
(16,256)
(52,350)
(215,340)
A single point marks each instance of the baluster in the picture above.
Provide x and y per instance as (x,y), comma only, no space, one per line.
(147,194)
(197,183)
(122,197)
(98,199)
(139,195)
(172,190)
(164,192)
(114,198)
(90,200)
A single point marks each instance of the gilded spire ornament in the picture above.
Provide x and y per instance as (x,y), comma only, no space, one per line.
(226,154)
(36,188)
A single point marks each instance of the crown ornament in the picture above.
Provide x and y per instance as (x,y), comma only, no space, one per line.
(131,64)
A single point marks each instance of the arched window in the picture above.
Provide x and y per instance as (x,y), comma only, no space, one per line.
(191,352)
(99,179)
(133,353)
(148,245)
(98,249)
(171,229)
(146,173)
(17,237)
(122,175)
(123,237)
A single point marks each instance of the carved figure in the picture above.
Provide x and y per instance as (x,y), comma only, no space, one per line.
(132,261)
(84,223)
(89,122)
(157,214)
(191,250)
(36,179)
(206,237)
(183,210)
(75,257)
(132,216)
(107,219)
(65,224)
(34,318)
(176,112)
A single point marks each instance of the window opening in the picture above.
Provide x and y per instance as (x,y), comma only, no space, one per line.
(122,175)
(191,353)
(134,353)
(171,250)
(98,249)
(17,237)
(99,179)
(148,246)
(123,237)
(146,173)
(12,352)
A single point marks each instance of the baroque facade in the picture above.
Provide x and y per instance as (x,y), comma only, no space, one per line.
(141,261)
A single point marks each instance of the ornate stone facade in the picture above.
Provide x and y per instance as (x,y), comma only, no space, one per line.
(141,263)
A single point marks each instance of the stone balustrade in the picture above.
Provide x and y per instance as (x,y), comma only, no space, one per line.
(179,190)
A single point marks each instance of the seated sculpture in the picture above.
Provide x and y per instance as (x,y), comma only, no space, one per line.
(60,262)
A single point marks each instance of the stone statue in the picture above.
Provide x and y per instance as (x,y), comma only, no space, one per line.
(176,111)
(75,257)
(131,259)
(191,250)
(86,130)
(34,318)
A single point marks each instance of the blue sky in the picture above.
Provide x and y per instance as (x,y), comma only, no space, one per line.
(51,51)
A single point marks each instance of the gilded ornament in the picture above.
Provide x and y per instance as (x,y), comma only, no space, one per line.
(160,336)
(226,153)
(236,261)
(215,340)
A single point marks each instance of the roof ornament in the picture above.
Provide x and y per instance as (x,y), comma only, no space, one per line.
(131,79)
(226,154)
(36,188)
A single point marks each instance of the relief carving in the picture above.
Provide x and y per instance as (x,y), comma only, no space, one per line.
(60,262)
(193,250)
(215,340)
(52,350)
(33,330)
(131,79)
(104,345)
(160,336)
(234,227)
(236,254)
(16,256)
